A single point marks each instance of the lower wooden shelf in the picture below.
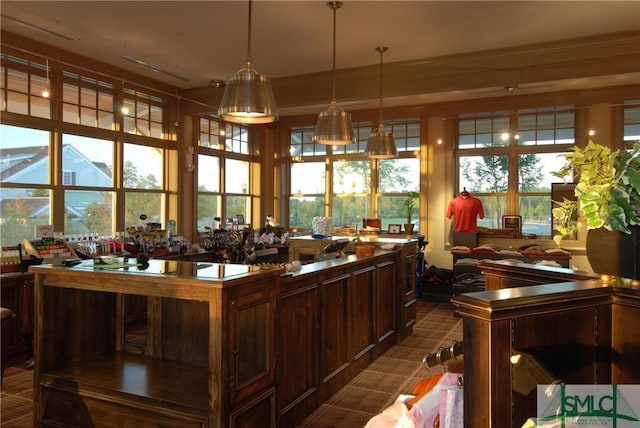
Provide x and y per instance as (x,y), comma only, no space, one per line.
(123,387)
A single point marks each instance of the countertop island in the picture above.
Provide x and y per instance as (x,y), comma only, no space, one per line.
(205,344)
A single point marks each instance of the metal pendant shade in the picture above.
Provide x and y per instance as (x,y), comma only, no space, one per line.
(334,125)
(381,144)
(248,95)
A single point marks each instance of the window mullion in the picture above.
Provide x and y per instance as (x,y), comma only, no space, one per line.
(512,191)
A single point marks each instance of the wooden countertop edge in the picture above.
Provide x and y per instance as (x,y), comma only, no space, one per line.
(501,304)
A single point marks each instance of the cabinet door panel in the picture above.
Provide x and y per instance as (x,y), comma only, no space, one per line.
(334,333)
(386,302)
(363,302)
(252,342)
(298,344)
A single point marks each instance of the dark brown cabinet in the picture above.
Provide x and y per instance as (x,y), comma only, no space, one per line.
(209,357)
(579,332)
(252,362)
(333,323)
(223,345)
(17,295)
(501,274)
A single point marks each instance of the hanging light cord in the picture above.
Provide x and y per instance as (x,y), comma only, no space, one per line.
(334,5)
(382,50)
(249,40)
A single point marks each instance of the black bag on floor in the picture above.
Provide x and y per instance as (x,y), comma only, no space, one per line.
(439,276)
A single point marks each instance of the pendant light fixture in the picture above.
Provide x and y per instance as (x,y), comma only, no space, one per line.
(381,144)
(334,125)
(248,96)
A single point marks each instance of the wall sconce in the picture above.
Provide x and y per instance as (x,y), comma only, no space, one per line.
(189,164)
(46,92)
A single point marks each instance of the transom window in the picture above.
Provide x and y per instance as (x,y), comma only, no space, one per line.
(25,87)
(143,114)
(230,137)
(631,127)
(87,102)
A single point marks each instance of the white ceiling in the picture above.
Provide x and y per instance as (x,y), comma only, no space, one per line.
(205,41)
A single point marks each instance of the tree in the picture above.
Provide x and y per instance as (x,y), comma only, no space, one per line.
(139,202)
(97,216)
(17,223)
(393,175)
(490,174)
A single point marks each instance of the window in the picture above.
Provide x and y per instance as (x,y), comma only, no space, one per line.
(396,178)
(143,166)
(306,199)
(87,102)
(302,144)
(143,114)
(406,134)
(210,134)
(25,199)
(24,155)
(236,139)
(88,140)
(507,163)
(68,178)
(224,183)
(23,85)
(22,209)
(483,132)
(545,128)
(88,212)
(351,192)
(359,187)
(631,127)
(361,134)
(236,184)
(87,161)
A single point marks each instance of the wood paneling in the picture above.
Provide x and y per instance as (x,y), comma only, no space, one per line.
(298,350)
(500,274)
(386,306)
(333,323)
(579,332)
(13,297)
(625,339)
(245,351)
(334,334)
(194,374)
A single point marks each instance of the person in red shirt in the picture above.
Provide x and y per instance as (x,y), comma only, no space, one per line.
(465,209)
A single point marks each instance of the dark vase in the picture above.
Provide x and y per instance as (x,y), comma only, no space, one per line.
(614,253)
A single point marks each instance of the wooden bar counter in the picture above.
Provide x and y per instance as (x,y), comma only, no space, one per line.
(221,345)
(580,332)
(501,274)
(210,335)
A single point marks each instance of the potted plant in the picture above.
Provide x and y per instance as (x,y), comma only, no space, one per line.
(607,200)
(410,205)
